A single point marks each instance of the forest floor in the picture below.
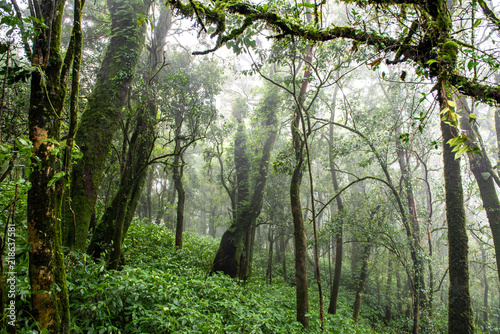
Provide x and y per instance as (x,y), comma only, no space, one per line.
(164,290)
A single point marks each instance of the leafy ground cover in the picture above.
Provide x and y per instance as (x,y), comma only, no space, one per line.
(164,290)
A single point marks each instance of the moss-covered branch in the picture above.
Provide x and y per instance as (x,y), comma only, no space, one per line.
(422,51)
(482,92)
(489,14)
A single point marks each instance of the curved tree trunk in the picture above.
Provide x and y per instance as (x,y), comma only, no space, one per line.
(298,143)
(102,114)
(300,249)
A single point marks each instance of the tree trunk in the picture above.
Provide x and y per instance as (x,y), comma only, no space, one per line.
(332,308)
(233,256)
(399,303)
(419,301)
(298,143)
(149,191)
(486,291)
(283,264)
(49,298)
(388,294)
(269,273)
(181,195)
(482,169)
(497,128)
(110,233)
(102,114)
(300,248)
(228,256)
(360,284)
(211,222)
(460,315)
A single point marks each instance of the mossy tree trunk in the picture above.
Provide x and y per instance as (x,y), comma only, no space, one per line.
(482,169)
(232,244)
(49,299)
(460,315)
(111,232)
(234,254)
(420,298)
(102,114)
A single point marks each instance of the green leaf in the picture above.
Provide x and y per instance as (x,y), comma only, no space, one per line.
(56,178)
(485,175)
(471,64)
(445,110)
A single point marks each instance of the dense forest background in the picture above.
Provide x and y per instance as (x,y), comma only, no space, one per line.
(233,167)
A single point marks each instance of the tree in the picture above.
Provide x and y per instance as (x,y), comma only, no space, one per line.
(339,242)
(110,233)
(50,305)
(101,116)
(234,254)
(427,42)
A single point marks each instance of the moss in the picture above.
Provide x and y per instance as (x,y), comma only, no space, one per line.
(449,51)
(100,119)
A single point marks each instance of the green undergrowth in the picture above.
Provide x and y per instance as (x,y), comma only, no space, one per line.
(164,290)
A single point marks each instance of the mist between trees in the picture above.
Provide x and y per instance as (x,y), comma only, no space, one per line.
(230,166)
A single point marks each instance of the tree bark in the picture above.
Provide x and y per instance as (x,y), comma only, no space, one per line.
(482,169)
(110,233)
(497,129)
(486,290)
(300,248)
(49,298)
(332,308)
(269,272)
(181,195)
(360,284)
(234,253)
(460,315)
(102,114)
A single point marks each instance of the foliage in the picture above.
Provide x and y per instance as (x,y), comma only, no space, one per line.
(163,290)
